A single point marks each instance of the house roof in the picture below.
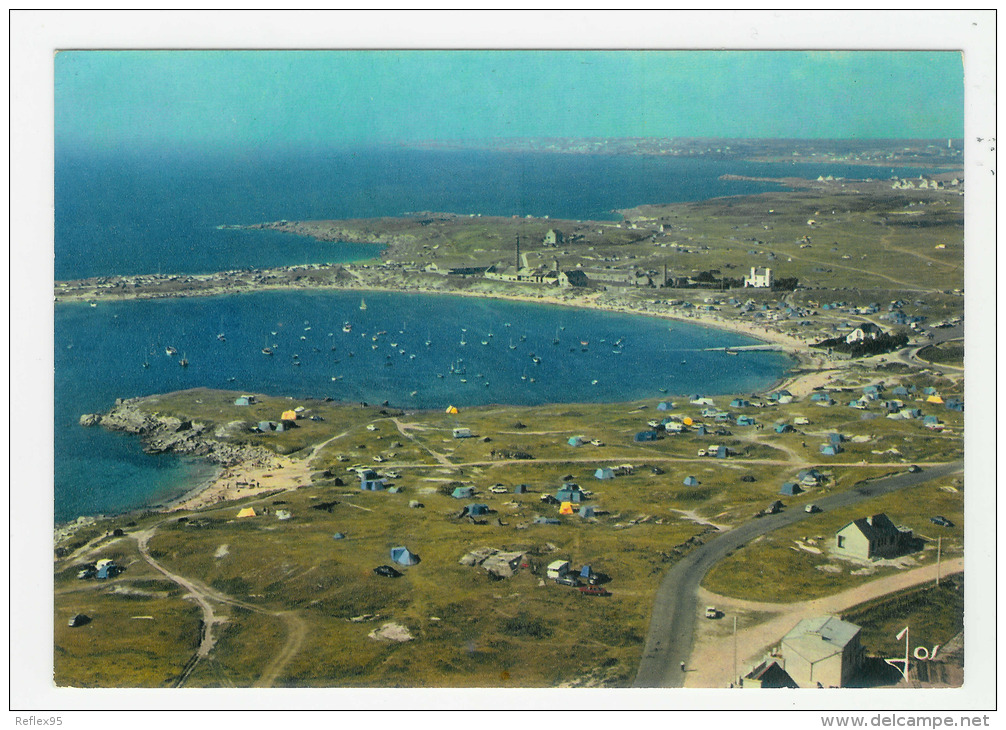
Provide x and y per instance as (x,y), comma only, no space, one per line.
(874,527)
(818,638)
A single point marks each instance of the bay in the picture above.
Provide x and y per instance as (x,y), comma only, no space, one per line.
(416,351)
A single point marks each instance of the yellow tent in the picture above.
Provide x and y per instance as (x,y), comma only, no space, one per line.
(247,512)
(452,410)
(289,416)
(566,508)
(687,420)
(934,399)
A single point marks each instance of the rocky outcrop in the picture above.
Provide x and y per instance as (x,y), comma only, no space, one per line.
(168,434)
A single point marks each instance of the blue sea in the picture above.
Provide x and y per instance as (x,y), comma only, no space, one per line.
(161,212)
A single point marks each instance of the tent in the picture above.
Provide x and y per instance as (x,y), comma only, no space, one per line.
(477,509)
(520,489)
(646,436)
(288,416)
(575,441)
(790,489)
(586,511)
(462,492)
(691,481)
(403,556)
(452,410)
(247,512)
(283,514)
(566,508)
(604,473)
(338,536)
(934,399)
(243,400)
(662,406)
(687,420)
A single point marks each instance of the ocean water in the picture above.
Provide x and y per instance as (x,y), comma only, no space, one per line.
(160,212)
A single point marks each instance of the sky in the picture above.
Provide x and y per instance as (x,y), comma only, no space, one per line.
(339,98)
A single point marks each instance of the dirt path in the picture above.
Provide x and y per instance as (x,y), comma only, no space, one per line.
(206,597)
(711,661)
(404,430)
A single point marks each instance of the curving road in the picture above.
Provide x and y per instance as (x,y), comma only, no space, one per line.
(672,623)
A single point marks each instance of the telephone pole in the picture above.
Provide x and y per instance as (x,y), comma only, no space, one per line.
(939,550)
(736,678)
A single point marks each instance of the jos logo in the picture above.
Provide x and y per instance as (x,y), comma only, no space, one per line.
(921,653)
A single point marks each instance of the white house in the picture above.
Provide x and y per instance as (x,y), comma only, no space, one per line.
(760,278)
(865,331)
(823,651)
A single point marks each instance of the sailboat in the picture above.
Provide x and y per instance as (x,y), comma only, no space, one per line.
(363,305)
(347,327)
(184,362)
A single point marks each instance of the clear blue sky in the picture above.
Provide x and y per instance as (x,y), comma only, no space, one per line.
(280,98)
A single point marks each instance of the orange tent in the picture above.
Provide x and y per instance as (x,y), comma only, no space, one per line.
(288,416)
(566,508)
(452,410)
(247,512)
(687,420)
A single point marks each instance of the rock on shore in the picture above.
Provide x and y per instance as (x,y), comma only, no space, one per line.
(167,434)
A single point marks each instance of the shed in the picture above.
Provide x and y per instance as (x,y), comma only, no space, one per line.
(403,556)
(604,473)
(246,512)
(586,511)
(691,481)
(871,537)
(645,436)
(768,675)
(790,489)
(463,492)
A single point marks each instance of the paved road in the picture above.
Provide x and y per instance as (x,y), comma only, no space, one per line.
(672,624)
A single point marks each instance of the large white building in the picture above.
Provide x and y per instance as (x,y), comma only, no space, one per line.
(759,278)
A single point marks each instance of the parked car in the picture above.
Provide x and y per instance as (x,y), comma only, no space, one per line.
(567,580)
(811,509)
(913,469)
(941,521)
(713,612)
(594,591)
(387,571)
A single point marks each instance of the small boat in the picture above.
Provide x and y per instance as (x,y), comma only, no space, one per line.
(347,327)
(731,352)
(363,306)
(463,380)
(536,360)
(222,337)
(428,343)
(170,351)
(593,382)
(266,351)
(485,342)
(584,343)
(94,304)
(146,364)
(183,362)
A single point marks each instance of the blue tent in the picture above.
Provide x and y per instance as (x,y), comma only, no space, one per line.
(370,481)
(662,406)
(586,572)
(575,441)
(338,536)
(586,511)
(701,431)
(830,449)
(835,438)
(604,473)
(900,390)
(403,556)
(930,420)
(520,489)
(646,436)
(462,492)
(721,452)
(569,493)
(739,403)
(545,521)
(745,421)
(783,428)
(790,489)
(477,509)
(690,481)
(242,401)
